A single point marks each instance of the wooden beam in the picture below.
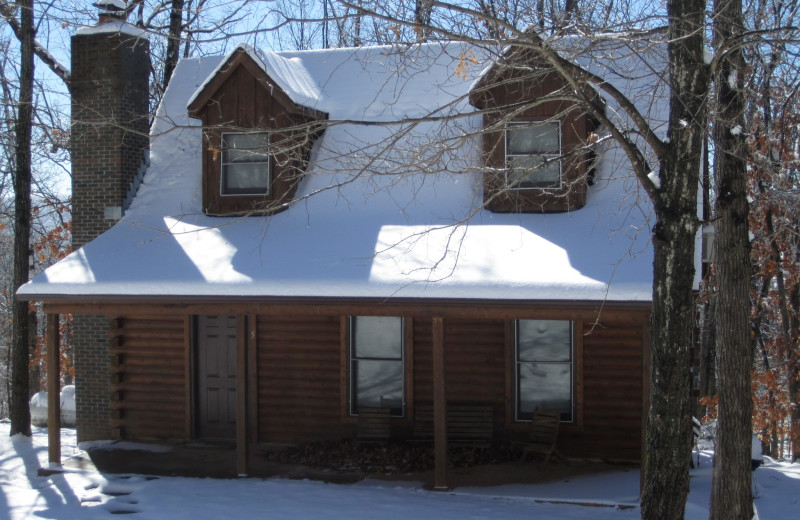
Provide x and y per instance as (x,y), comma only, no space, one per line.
(408,345)
(241,395)
(416,307)
(188,377)
(252,378)
(646,372)
(53,391)
(439,408)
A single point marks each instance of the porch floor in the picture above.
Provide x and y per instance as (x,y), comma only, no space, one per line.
(217,460)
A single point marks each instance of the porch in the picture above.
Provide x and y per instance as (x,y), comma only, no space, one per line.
(340,463)
(276,347)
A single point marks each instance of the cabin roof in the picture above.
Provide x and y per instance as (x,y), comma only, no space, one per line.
(380,213)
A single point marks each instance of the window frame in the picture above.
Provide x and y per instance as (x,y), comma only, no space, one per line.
(554,157)
(352,360)
(223,165)
(573,367)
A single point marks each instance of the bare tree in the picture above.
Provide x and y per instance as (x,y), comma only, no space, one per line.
(731,496)
(19,412)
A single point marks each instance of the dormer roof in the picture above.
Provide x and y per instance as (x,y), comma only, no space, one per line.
(287,80)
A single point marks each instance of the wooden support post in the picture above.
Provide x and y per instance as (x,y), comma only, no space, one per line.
(241,395)
(188,375)
(252,379)
(53,391)
(439,408)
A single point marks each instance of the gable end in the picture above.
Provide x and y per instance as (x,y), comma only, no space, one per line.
(242,104)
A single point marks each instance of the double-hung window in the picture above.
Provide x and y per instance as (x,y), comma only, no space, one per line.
(376,374)
(532,155)
(245,164)
(544,362)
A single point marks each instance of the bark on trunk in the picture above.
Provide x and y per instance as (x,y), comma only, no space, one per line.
(669,431)
(707,384)
(173,40)
(794,332)
(20,413)
(731,495)
(422,19)
(771,430)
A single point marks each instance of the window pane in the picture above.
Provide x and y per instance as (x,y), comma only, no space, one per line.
(539,139)
(526,171)
(245,147)
(544,340)
(546,386)
(378,383)
(245,178)
(378,337)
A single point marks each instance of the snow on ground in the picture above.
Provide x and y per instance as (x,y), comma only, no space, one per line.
(91,495)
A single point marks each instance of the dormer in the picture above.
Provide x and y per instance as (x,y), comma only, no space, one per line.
(258,130)
(537,157)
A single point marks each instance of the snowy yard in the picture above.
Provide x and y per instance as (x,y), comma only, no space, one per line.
(90,495)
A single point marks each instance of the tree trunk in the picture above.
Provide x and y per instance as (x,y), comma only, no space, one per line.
(731,495)
(20,412)
(173,41)
(706,371)
(794,360)
(422,19)
(668,439)
(35,372)
(770,433)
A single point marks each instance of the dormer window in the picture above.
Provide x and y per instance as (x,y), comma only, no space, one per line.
(532,155)
(537,144)
(257,139)
(245,164)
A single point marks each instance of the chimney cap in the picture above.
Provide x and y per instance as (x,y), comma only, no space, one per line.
(111,11)
(112,6)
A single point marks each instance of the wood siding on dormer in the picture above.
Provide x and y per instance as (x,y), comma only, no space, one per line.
(245,99)
(516,95)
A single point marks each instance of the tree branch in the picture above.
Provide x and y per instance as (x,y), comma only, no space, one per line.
(8,13)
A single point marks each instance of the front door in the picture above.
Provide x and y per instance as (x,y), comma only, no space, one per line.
(216,377)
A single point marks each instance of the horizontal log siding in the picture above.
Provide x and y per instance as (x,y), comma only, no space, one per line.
(299,379)
(612,394)
(474,361)
(148,381)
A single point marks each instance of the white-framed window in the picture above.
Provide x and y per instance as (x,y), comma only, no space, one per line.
(532,152)
(376,363)
(245,164)
(544,371)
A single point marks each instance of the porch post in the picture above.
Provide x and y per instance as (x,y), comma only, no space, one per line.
(439,408)
(241,395)
(53,391)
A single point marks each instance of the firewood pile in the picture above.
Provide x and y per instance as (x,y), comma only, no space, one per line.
(387,458)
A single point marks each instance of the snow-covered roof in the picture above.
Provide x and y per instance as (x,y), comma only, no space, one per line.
(289,73)
(111,5)
(381,212)
(113,27)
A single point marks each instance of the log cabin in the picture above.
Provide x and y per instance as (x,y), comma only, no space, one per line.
(301,234)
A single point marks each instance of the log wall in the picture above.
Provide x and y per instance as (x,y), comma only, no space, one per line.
(612,392)
(299,379)
(474,363)
(299,374)
(149,356)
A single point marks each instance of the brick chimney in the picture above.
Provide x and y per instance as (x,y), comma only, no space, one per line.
(109,144)
(110,123)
